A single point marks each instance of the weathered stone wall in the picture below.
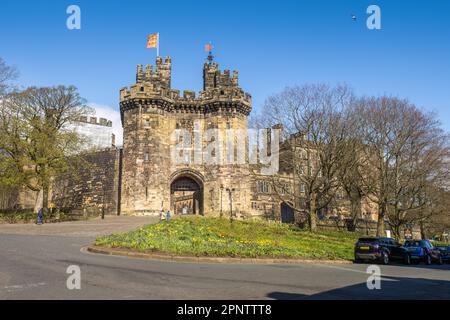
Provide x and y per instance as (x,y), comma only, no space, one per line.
(149,169)
(17,199)
(88,190)
(92,188)
(9,198)
(365,227)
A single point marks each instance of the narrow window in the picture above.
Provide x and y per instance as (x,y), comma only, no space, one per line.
(302,188)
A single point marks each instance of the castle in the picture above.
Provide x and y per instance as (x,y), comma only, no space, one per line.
(151,111)
(142,178)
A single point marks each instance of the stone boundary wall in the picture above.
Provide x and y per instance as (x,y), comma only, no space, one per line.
(9,198)
(91,190)
(368,228)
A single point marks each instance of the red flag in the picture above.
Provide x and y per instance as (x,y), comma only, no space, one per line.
(208,47)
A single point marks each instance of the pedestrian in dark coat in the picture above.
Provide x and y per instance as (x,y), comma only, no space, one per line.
(40,216)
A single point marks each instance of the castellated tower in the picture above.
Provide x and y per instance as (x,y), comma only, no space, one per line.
(204,176)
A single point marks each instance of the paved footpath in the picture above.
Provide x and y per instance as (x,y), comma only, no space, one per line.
(85,228)
(34,260)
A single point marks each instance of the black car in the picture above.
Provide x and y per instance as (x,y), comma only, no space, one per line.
(380,249)
(445,253)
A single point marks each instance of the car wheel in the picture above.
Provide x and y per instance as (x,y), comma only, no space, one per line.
(428,259)
(407,259)
(385,258)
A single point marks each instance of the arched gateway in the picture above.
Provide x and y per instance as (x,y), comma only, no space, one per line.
(186,195)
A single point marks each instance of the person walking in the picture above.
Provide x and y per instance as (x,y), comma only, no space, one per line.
(162,215)
(40,216)
(168,215)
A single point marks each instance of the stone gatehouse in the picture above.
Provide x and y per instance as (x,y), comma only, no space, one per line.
(151,112)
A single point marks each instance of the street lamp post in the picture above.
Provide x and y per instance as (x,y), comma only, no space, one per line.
(272,208)
(221,191)
(230,191)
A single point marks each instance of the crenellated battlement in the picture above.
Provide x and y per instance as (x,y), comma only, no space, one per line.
(221,91)
(160,77)
(214,78)
(94,120)
(146,92)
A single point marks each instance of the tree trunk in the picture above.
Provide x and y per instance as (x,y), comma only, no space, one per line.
(423,233)
(380,223)
(312,215)
(396,232)
(45,198)
(38,202)
(355,205)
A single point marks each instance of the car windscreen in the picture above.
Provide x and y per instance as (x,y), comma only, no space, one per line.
(412,244)
(369,240)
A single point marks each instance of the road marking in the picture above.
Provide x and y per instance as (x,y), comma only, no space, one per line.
(23,286)
(341,268)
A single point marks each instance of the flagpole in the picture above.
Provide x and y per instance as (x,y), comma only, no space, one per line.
(157,46)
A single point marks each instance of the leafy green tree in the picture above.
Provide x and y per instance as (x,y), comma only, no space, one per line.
(36,142)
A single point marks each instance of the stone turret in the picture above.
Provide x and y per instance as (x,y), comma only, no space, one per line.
(159,78)
(164,69)
(221,92)
(213,78)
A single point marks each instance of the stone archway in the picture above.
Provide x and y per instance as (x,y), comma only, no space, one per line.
(186,195)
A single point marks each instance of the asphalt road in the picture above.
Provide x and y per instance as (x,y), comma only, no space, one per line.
(34,261)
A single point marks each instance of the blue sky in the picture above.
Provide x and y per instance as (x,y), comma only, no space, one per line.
(273,44)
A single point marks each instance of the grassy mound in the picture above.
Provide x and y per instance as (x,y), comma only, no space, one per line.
(198,236)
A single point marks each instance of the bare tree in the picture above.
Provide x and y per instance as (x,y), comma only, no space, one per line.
(350,176)
(382,149)
(7,75)
(403,149)
(434,218)
(314,130)
(434,198)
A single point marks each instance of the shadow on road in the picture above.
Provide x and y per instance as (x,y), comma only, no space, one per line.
(416,264)
(396,288)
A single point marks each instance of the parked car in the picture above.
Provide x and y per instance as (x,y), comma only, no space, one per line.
(380,250)
(445,253)
(423,250)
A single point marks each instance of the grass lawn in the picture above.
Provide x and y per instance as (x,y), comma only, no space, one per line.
(440,243)
(199,236)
